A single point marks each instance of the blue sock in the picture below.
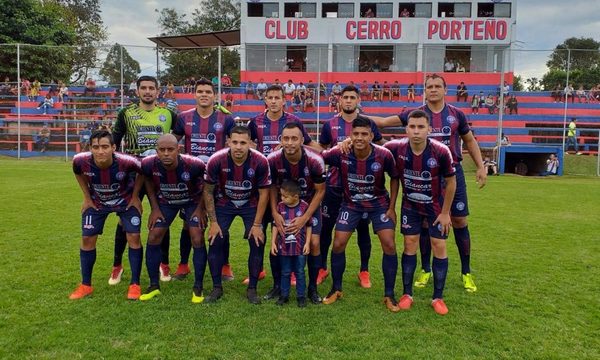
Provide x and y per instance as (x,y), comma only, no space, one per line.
(185,246)
(409,264)
(87,258)
(164,247)
(325,240)
(364,244)
(389,266)
(226,248)
(314,264)
(425,249)
(153,263)
(199,259)
(338,266)
(255,263)
(463,242)
(215,261)
(120,245)
(136,257)
(440,269)
(275,270)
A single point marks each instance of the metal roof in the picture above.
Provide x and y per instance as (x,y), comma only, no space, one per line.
(200,40)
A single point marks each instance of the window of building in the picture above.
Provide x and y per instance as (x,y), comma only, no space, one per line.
(384,10)
(502,10)
(406,10)
(375,58)
(263,10)
(457,59)
(300,10)
(342,10)
(454,9)
(485,9)
(368,10)
(423,10)
(296,58)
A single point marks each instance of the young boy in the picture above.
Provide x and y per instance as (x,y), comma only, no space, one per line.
(292,248)
(424,165)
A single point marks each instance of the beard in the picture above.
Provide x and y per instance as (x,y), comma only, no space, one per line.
(148,102)
(349,111)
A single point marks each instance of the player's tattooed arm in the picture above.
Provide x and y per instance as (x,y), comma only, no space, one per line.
(209,201)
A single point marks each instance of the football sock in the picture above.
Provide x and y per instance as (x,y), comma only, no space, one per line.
(153,263)
(338,265)
(325,240)
(87,258)
(185,246)
(215,261)
(389,266)
(164,247)
(255,262)
(135,261)
(440,269)
(226,248)
(425,249)
(364,244)
(409,263)
(120,245)
(314,264)
(463,242)
(275,269)
(199,259)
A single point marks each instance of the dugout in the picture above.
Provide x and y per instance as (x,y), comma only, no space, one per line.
(534,158)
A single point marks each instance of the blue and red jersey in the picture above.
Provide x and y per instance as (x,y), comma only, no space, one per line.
(291,244)
(203,136)
(447,127)
(422,175)
(235,184)
(364,180)
(267,133)
(334,131)
(310,170)
(178,187)
(110,188)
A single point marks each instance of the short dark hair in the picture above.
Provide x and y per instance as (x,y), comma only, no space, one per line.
(239,129)
(361,121)
(415,114)
(275,88)
(433,77)
(351,88)
(146,78)
(292,125)
(291,186)
(102,133)
(204,81)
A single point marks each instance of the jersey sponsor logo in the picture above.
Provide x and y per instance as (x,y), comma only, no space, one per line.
(185,176)
(460,206)
(375,166)
(431,162)
(162,118)
(419,198)
(211,137)
(417,175)
(135,221)
(451,119)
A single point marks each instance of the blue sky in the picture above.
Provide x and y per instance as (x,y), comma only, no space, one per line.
(541,25)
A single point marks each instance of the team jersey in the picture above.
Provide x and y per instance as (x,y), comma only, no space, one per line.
(336,130)
(364,180)
(310,170)
(267,134)
(140,129)
(447,127)
(235,184)
(111,188)
(421,175)
(203,136)
(181,186)
(291,245)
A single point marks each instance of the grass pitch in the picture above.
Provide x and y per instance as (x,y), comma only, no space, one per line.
(534,257)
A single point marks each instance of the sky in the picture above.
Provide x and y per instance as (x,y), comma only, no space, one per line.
(541,25)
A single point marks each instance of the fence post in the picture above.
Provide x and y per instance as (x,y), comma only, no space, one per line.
(566,98)
(19,101)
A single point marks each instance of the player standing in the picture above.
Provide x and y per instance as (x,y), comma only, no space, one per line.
(425,168)
(237,184)
(174,183)
(139,126)
(449,126)
(363,169)
(109,182)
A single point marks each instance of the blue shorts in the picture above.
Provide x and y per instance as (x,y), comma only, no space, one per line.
(412,222)
(460,205)
(226,214)
(170,212)
(348,219)
(316,222)
(92,221)
(332,202)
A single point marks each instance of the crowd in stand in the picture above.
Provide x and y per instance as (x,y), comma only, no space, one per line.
(568,93)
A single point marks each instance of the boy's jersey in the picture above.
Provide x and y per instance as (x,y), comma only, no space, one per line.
(292,245)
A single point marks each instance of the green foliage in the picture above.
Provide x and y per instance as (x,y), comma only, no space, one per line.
(585,54)
(518,83)
(111,69)
(210,15)
(587,78)
(535,264)
(533,84)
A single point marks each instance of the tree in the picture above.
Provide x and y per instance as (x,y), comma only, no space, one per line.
(223,15)
(111,69)
(517,83)
(533,84)
(585,54)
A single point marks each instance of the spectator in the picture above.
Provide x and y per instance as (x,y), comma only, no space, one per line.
(336,89)
(43,138)
(53,88)
(475,104)
(490,166)
(490,103)
(172,105)
(215,81)
(375,67)
(580,93)
(132,89)
(481,99)
(504,141)
(449,66)
(568,92)
(410,92)
(311,86)
(369,13)
(84,139)
(364,91)
(461,92)
(460,67)
(309,101)
(376,91)
(364,66)
(521,168)
(572,137)
(226,82)
(302,89)
(333,103)
(170,91)
(405,13)
(556,94)
(250,90)
(261,89)
(90,88)
(551,166)
(505,89)
(386,91)
(26,88)
(228,101)
(322,89)
(63,91)
(288,90)
(297,101)
(47,103)
(513,105)
(395,90)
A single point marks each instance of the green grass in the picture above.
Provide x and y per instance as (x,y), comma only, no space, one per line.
(535,258)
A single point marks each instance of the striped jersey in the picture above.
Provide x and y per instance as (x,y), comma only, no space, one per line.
(267,133)
(291,245)
(310,170)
